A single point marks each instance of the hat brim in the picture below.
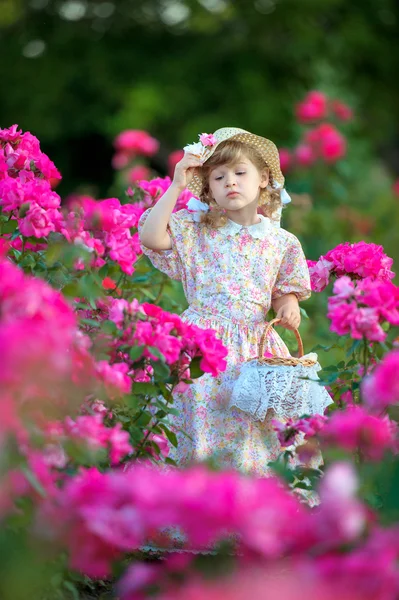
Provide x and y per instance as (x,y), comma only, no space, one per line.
(266,148)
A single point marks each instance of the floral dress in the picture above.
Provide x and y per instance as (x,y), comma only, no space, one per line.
(230,276)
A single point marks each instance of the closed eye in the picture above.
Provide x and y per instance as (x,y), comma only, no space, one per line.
(221,176)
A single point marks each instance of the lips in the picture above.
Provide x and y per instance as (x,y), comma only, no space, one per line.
(232,194)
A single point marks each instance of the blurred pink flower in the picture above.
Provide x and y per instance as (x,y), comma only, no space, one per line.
(395,188)
(359,308)
(381,388)
(138,173)
(115,378)
(327,142)
(120,160)
(304,155)
(173,158)
(162,442)
(341,516)
(355,429)
(285,159)
(312,108)
(135,142)
(341,110)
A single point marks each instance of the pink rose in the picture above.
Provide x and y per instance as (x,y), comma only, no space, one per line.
(36,223)
(137,173)
(304,155)
(173,159)
(313,107)
(319,272)
(207,139)
(327,142)
(341,110)
(135,142)
(285,159)
(354,428)
(381,388)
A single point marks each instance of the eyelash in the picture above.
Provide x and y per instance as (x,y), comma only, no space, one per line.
(239,173)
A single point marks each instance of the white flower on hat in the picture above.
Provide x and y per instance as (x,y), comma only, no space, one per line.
(202,148)
(197,149)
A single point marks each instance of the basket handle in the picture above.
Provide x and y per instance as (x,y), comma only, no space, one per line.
(265,333)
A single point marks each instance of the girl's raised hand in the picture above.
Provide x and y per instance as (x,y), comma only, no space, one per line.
(184,170)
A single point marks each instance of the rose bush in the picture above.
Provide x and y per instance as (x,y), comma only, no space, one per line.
(87,374)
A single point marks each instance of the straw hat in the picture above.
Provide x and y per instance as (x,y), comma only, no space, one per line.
(205,148)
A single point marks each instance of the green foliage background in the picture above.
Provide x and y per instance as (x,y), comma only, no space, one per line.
(141,64)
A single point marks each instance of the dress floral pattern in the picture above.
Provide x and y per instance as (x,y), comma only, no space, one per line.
(230,276)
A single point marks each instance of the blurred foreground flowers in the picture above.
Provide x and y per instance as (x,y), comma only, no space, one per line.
(87,374)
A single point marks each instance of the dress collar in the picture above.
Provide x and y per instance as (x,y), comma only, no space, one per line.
(258,230)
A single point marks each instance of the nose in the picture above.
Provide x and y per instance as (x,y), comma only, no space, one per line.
(230,182)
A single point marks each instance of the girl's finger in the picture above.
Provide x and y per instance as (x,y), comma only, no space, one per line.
(190,158)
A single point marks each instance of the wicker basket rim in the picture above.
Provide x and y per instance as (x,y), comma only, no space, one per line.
(282,360)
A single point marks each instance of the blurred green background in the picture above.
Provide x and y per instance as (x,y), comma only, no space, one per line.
(76,72)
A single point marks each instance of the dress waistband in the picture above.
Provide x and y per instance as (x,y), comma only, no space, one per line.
(252,315)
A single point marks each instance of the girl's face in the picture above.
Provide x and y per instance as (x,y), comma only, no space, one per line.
(236,186)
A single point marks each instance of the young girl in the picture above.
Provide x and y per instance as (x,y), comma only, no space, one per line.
(234,264)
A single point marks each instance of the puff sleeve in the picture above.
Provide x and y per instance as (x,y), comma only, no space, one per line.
(293,275)
(181,229)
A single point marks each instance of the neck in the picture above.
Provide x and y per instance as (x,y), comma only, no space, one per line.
(244,216)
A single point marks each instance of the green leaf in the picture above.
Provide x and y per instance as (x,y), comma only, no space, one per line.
(144,388)
(325,348)
(147,293)
(195,369)
(161,370)
(90,322)
(27,261)
(354,346)
(71,290)
(136,434)
(155,352)
(9,226)
(35,483)
(136,352)
(170,435)
(144,419)
(103,272)
(302,486)
(109,327)
(69,586)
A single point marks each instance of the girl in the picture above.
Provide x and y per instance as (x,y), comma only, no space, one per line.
(234,264)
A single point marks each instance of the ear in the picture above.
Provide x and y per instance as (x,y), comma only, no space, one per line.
(264,181)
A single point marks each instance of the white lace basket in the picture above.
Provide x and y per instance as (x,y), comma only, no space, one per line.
(287,385)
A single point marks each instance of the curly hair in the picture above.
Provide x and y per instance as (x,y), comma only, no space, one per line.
(229,153)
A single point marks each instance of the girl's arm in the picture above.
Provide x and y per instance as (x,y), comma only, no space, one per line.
(287,309)
(154,233)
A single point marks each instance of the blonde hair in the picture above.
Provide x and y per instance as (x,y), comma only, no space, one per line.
(228,153)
